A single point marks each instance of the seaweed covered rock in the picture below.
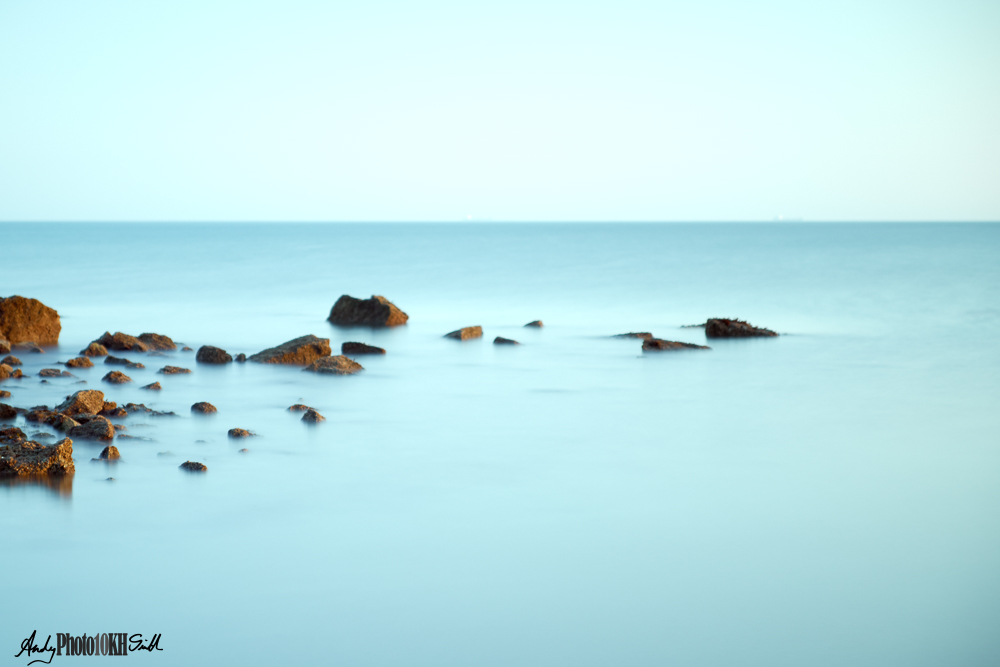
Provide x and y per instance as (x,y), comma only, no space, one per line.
(80,362)
(94,350)
(204,408)
(377,311)
(193,466)
(300,351)
(157,342)
(338,365)
(360,348)
(86,401)
(725,328)
(116,377)
(23,319)
(465,333)
(122,342)
(27,457)
(212,355)
(660,345)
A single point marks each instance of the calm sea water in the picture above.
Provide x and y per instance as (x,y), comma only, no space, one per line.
(829,497)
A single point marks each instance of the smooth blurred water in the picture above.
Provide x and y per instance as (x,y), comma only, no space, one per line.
(828,497)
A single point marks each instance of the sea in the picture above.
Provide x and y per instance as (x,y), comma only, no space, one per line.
(827,497)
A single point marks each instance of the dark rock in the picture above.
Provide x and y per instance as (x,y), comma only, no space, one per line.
(11,360)
(139,407)
(173,370)
(61,422)
(360,348)
(659,345)
(193,466)
(116,377)
(7,412)
(313,417)
(157,342)
(54,373)
(11,434)
(29,346)
(80,362)
(122,342)
(212,355)
(94,350)
(241,358)
(536,323)
(40,413)
(374,312)
(500,340)
(204,408)
(85,401)
(298,407)
(723,328)
(645,335)
(338,365)
(301,351)
(110,453)
(95,428)
(121,361)
(466,333)
(240,433)
(114,413)
(154,386)
(24,319)
(28,457)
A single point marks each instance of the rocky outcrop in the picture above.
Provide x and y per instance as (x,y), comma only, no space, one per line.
(54,373)
(240,433)
(157,342)
(94,428)
(86,401)
(466,333)
(300,351)
(110,453)
(377,311)
(724,328)
(204,408)
(7,412)
(360,348)
(153,387)
(122,342)
(313,417)
(645,335)
(94,350)
(193,466)
(298,407)
(537,324)
(10,360)
(121,361)
(212,355)
(116,377)
(500,340)
(173,370)
(27,457)
(80,362)
(660,345)
(24,319)
(338,365)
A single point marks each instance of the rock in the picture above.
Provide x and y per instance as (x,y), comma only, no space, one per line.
(6,371)
(303,350)
(186,349)
(360,348)
(374,312)
(95,428)
(24,319)
(164,453)
(7,412)
(85,401)
(61,422)
(723,328)
(54,373)
(153,387)
(114,413)
(500,340)
(658,344)
(94,350)
(110,453)
(39,413)
(116,377)
(11,434)
(173,370)
(157,342)
(11,360)
(158,354)
(645,335)
(240,433)
(139,407)
(536,323)
(241,358)
(27,457)
(5,394)
(122,342)
(466,333)
(244,451)
(204,408)
(121,361)
(212,355)
(338,365)
(193,466)
(4,345)
(80,362)
(313,417)
(298,407)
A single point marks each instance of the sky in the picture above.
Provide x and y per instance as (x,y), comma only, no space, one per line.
(513,110)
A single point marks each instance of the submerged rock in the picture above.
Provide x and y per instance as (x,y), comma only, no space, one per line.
(204,408)
(303,350)
(121,361)
(54,373)
(157,342)
(110,453)
(94,350)
(116,377)
(659,345)
(724,328)
(298,407)
(155,386)
(536,323)
(95,428)
(173,370)
(313,417)
(11,360)
(500,340)
(122,342)
(377,311)
(240,433)
(85,401)
(7,412)
(27,457)
(193,466)
(23,319)
(466,333)
(645,335)
(338,365)
(212,355)
(360,348)
(80,362)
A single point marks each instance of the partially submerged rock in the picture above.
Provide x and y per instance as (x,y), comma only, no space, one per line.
(313,417)
(94,350)
(645,335)
(23,319)
(110,453)
(377,311)
(724,328)
(121,361)
(500,340)
(537,323)
(122,342)
(203,408)
(116,377)
(95,428)
(10,360)
(6,372)
(61,422)
(212,355)
(360,348)
(338,365)
(7,412)
(139,407)
(193,466)
(173,370)
(27,457)
(5,394)
(298,407)
(244,451)
(85,401)
(660,345)
(80,362)
(4,345)
(240,433)
(186,349)
(54,373)
(155,386)
(157,342)
(466,333)
(241,358)
(303,350)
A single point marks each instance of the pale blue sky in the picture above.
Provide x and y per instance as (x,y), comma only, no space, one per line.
(625,110)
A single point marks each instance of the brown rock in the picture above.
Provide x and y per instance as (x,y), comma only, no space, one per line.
(157,342)
(640,334)
(61,422)
(298,407)
(204,408)
(6,371)
(360,348)
(154,386)
(24,319)
(466,333)
(54,373)
(374,312)
(11,434)
(7,412)
(27,457)
(212,355)
(723,328)
(186,349)
(500,340)
(4,394)
(193,466)
(536,323)
(95,428)
(173,370)
(4,345)
(40,413)
(114,413)
(303,350)
(116,377)
(80,362)
(122,342)
(660,345)
(240,433)
(85,401)
(11,360)
(94,350)
(338,365)
(313,417)
(241,358)
(110,453)
(121,361)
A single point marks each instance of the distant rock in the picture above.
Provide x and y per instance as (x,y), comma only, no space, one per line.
(374,312)
(193,466)
(80,362)
(11,360)
(157,342)
(724,328)
(240,433)
(537,323)
(112,411)
(94,350)
(360,348)
(186,349)
(301,351)
(121,361)
(298,407)
(27,457)
(212,355)
(96,428)
(155,386)
(241,358)
(139,407)
(85,401)
(7,412)
(466,333)
(203,408)
(23,319)
(244,451)
(54,373)
(338,365)
(30,347)
(116,377)
(313,417)
(660,345)
(158,354)
(122,342)
(173,370)
(500,340)
(110,453)
(635,334)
